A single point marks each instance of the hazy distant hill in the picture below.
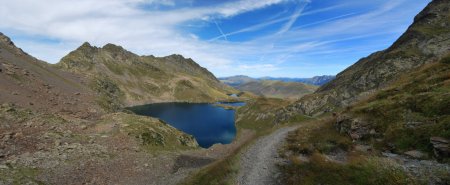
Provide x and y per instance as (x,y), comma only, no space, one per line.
(241,79)
(278,89)
(235,81)
(316,80)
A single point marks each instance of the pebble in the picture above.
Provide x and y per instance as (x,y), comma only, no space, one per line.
(57,143)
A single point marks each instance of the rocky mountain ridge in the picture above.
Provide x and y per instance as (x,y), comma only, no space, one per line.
(134,80)
(425,41)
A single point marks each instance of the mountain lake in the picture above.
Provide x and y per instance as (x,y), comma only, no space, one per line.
(209,124)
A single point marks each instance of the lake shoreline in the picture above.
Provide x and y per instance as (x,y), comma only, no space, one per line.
(208,123)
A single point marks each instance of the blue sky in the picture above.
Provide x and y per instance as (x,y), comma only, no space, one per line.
(280,38)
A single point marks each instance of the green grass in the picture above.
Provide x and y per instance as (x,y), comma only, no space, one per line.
(221,172)
(259,115)
(152,134)
(110,97)
(19,175)
(360,170)
(115,68)
(317,136)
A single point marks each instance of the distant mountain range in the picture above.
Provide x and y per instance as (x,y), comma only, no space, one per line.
(278,89)
(242,79)
(316,80)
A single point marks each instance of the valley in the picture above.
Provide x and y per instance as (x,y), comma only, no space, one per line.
(106,115)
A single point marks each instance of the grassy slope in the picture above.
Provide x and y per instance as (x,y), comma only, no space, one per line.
(151,133)
(423,94)
(278,89)
(412,110)
(317,139)
(34,84)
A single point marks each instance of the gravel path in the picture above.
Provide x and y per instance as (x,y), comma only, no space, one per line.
(258,162)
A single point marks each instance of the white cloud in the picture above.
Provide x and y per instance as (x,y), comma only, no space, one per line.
(258,67)
(159,2)
(117,21)
(158,32)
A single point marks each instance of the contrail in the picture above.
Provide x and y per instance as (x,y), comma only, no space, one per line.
(268,23)
(292,19)
(220,30)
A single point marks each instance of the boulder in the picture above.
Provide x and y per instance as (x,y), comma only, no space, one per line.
(416,154)
(441,147)
(356,128)
(363,148)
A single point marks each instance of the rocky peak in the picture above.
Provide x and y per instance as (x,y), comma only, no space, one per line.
(113,48)
(81,58)
(5,41)
(426,40)
(189,66)
(176,56)
(86,45)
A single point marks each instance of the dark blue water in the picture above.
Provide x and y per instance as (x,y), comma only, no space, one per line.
(209,124)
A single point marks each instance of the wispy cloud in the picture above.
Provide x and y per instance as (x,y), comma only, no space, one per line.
(292,19)
(259,26)
(164,31)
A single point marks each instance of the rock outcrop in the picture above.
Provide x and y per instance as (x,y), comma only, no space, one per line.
(441,147)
